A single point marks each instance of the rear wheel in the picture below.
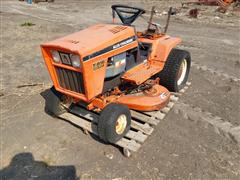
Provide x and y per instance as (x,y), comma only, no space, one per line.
(55,102)
(114,122)
(176,70)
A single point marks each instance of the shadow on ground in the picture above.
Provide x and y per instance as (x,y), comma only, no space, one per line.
(23,166)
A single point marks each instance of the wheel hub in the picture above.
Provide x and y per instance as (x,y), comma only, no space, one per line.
(182,72)
(121,124)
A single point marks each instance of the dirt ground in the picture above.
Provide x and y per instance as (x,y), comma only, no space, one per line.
(35,145)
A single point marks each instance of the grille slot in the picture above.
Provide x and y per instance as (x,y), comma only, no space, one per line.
(117,29)
(70,80)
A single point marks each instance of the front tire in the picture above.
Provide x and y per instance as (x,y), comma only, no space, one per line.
(54,102)
(176,70)
(114,122)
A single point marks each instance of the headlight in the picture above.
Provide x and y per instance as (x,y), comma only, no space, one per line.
(55,56)
(75,60)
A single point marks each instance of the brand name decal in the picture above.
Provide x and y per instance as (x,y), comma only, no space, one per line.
(110,48)
(123,43)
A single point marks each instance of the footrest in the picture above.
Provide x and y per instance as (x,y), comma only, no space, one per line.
(140,73)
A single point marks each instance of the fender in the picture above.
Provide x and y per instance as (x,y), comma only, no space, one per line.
(164,47)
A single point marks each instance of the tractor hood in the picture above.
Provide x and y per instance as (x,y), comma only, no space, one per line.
(93,39)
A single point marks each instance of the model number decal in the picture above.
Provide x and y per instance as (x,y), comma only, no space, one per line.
(98,65)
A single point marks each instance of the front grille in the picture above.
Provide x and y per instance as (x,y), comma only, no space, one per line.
(70,80)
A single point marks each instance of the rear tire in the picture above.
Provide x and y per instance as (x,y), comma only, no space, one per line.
(54,102)
(114,122)
(176,70)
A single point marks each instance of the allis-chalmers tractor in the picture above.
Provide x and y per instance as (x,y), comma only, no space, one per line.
(112,68)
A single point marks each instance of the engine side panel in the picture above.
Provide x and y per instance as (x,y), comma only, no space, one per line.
(94,70)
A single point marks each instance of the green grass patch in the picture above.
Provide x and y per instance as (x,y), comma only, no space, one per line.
(28,24)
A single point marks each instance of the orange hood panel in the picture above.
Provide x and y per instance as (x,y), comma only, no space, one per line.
(92,39)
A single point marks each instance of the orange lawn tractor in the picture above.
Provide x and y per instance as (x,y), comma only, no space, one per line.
(112,68)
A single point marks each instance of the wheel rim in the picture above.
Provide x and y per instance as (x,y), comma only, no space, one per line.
(121,124)
(182,72)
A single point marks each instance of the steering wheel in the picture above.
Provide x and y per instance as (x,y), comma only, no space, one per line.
(127,14)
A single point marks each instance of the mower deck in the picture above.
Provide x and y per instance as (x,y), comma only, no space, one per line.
(142,101)
(142,123)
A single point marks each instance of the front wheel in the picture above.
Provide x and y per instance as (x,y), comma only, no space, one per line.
(176,70)
(114,122)
(55,103)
